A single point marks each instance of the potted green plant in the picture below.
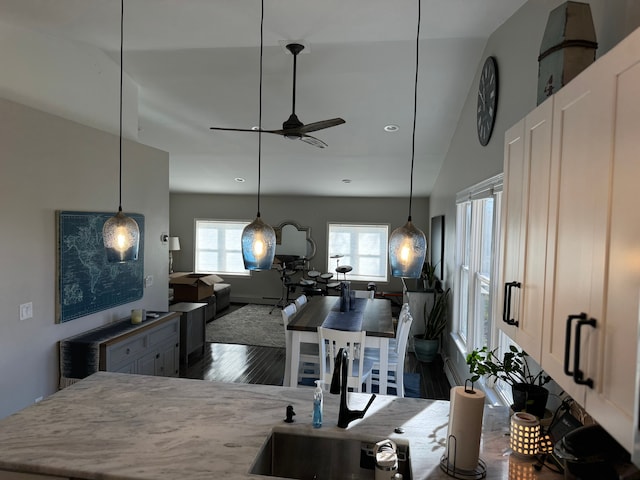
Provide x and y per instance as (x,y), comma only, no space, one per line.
(527,387)
(428,275)
(435,321)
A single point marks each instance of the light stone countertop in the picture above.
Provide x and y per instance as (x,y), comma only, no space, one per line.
(119,426)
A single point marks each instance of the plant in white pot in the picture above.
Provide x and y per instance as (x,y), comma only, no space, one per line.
(529,394)
(435,321)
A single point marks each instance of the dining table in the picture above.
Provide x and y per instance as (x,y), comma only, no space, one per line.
(376,320)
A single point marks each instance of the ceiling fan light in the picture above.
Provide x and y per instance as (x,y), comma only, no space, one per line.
(121,237)
(407,251)
(258,245)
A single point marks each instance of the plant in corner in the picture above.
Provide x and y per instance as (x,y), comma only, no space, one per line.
(435,321)
(429,278)
(529,394)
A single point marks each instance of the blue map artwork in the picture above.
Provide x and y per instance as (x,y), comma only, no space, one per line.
(86,282)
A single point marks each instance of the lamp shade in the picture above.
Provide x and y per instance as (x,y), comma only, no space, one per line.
(121,237)
(407,251)
(258,245)
(174,244)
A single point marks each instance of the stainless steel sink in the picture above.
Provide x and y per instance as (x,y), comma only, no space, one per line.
(297,455)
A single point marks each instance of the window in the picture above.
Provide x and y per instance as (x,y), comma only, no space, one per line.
(364,247)
(477,233)
(218,247)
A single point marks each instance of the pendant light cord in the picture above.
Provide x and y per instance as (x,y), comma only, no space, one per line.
(121,82)
(415,111)
(260,104)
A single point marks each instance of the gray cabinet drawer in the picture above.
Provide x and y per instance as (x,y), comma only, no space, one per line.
(167,331)
(125,351)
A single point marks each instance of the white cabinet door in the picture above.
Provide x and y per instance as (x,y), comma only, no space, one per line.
(581,152)
(525,214)
(611,401)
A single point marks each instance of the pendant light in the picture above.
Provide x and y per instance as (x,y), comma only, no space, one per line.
(408,244)
(258,238)
(121,234)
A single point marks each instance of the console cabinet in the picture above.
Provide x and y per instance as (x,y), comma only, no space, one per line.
(149,348)
(153,351)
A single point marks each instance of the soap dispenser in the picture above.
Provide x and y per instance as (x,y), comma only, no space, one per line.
(317,405)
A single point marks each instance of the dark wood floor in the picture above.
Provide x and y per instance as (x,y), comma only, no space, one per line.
(265,366)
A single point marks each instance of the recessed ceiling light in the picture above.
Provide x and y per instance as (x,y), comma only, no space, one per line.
(391,128)
(239,179)
(346,180)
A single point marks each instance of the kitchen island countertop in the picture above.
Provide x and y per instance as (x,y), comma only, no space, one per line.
(119,426)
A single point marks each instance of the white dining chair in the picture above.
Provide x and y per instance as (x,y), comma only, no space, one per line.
(397,353)
(309,363)
(301,301)
(364,293)
(330,342)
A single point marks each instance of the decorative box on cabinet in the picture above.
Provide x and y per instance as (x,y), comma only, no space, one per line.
(192,328)
(151,348)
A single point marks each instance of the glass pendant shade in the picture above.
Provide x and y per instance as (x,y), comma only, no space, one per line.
(121,236)
(407,251)
(258,245)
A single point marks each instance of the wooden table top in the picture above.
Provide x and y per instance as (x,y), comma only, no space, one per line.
(377,320)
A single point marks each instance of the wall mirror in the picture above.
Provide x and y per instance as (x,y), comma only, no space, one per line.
(294,239)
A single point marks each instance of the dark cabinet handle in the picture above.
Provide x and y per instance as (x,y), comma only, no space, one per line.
(567,341)
(506,310)
(578,375)
(157,355)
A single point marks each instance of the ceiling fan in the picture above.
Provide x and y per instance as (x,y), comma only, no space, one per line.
(293,128)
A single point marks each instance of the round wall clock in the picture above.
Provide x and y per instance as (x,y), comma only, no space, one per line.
(487,100)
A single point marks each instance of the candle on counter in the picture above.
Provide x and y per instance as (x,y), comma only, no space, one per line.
(137,315)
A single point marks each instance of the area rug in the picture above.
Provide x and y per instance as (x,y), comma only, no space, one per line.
(248,325)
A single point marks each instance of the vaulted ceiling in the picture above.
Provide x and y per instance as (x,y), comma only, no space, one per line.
(197,65)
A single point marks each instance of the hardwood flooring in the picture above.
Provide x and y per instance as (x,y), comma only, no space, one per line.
(265,366)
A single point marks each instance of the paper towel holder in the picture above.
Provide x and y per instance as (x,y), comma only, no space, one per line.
(448,465)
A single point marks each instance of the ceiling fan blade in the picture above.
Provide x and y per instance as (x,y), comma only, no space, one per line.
(316,142)
(278,132)
(315,126)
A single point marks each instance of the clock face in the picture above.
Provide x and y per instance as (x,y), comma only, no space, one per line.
(487,100)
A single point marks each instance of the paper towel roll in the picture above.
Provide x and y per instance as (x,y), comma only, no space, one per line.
(465,424)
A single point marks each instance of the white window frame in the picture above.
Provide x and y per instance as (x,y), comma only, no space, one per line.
(351,258)
(236,249)
(466,339)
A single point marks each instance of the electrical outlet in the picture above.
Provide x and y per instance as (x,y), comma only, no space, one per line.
(26,311)
(148,281)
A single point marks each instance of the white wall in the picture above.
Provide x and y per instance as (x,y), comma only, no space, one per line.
(77,82)
(313,212)
(48,163)
(516,46)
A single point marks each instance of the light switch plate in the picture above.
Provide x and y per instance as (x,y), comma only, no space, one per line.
(26,311)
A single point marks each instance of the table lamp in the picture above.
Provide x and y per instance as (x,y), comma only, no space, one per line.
(174,246)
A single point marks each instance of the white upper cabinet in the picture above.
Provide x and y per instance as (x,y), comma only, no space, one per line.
(577,255)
